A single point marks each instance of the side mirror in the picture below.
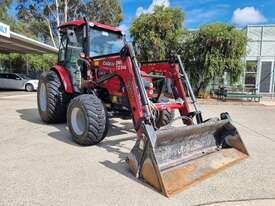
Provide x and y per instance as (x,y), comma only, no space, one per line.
(71,36)
(82,55)
(18,78)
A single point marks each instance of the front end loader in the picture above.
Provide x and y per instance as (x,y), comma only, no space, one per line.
(99,77)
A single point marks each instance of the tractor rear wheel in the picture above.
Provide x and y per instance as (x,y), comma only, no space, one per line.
(87,120)
(52,99)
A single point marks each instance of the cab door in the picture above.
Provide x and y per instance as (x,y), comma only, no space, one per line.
(73,39)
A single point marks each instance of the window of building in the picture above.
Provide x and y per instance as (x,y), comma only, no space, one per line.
(250,74)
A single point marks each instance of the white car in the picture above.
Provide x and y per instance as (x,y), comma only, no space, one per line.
(18,82)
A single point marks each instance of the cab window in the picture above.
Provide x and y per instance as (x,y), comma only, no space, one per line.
(74,47)
(105,42)
(62,49)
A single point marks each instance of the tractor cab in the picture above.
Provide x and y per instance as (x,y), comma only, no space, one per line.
(94,39)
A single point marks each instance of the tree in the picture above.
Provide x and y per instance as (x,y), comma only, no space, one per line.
(44,16)
(158,33)
(15,26)
(211,51)
(4,5)
(107,12)
(4,17)
(32,63)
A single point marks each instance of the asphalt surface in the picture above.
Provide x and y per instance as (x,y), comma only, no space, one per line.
(40,164)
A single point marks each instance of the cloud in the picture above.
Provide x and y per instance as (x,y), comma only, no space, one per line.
(247,15)
(150,9)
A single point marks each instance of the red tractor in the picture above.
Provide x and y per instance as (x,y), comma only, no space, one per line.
(98,77)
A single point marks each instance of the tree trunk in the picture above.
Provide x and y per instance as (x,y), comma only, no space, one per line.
(51,32)
(57,13)
(57,19)
(66,10)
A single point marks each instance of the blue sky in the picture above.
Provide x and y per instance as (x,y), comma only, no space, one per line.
(199,12)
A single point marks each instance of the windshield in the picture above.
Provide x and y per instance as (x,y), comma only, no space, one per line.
(105,42)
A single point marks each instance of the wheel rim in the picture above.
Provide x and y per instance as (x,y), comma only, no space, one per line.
(42,97)
(78,121)
(29,88)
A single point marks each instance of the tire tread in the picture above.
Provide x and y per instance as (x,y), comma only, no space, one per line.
(96,117)
(57,99)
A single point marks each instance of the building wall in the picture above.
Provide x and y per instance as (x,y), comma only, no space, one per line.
(261,53)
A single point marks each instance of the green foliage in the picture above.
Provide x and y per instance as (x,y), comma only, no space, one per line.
(4,5)
(158,33)
(15,25)
(107,12)
(251,66)
(20,62)
(41,62)
(207,53)
(4,17)
(44,17)
(212,50)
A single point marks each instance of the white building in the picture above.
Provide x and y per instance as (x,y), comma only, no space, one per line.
(260,59)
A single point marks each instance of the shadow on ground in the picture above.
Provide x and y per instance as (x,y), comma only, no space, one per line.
(31,115)
(114,145)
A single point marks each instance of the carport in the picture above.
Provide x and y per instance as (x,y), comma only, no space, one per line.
(11,42)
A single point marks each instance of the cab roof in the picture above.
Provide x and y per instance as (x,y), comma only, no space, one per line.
(95,24)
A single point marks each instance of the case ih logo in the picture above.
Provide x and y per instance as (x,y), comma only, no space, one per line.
(108,63)
(118,64)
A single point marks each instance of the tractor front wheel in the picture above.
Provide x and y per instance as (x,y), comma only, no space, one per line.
(87,120)
(52,99)
(164,118)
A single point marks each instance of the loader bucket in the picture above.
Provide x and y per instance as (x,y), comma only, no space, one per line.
(178,157)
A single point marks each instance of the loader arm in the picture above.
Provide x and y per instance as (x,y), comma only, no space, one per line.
(172,159)
(171,71)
